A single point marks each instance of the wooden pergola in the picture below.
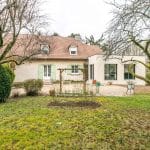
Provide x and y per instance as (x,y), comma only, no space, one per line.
(61,70)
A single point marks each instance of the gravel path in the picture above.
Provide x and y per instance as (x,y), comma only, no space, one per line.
(107,90)
(113,90)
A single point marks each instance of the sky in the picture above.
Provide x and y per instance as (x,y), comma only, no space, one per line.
(87,17)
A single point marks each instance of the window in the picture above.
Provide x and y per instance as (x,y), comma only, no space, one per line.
(73,50)
(47,71)
(92,71)
(45,48)
(74,69)
(127,74)
(110,71)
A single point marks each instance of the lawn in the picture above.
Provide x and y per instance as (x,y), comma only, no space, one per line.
(118,124)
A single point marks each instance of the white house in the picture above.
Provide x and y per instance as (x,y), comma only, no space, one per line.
(65,52)
(113,71)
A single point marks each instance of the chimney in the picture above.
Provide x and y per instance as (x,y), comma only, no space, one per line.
(78,37)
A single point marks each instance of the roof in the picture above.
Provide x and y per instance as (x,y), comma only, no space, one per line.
(59,47)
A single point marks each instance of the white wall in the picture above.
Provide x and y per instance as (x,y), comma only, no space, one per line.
(99,62)
(29,70)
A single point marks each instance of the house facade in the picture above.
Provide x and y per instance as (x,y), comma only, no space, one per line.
(71,54)
(48,70)
(113,71)
(57,53)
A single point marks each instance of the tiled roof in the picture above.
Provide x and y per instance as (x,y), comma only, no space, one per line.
(59,47)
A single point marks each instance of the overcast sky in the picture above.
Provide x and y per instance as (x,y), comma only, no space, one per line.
(78,16)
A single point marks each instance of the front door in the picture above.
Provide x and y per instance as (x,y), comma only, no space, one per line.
(47,72)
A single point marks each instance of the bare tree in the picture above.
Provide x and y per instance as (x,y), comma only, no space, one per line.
(92,41)
(17,17)
(130,27)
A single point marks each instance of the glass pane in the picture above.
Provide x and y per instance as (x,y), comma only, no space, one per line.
(72,69)
(126,68)
(106,76)
(106,68)
(112,68)
(127,74)
(73,52)
(49,70)
(110,71)
(112,77)
(45,70)
(130,76)
(76,68)
(91,72)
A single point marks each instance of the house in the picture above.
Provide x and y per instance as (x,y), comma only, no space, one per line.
(69,53)
(57,53)
(113,71)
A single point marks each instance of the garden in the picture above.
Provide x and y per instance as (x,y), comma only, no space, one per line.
(35,121)
(39,123)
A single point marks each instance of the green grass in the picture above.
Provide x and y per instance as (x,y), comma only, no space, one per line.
(119,124)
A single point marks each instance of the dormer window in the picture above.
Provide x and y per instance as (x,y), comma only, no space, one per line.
(73,50)
(45,48)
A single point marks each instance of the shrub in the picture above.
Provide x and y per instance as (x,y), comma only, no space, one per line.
(33,86)
(10,73)
(18,84)
(6,79)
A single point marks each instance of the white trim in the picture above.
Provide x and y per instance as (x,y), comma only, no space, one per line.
(73,49)
(47,77)
(44,47)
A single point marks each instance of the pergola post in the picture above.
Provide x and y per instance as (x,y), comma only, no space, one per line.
(60,76)
(84,79)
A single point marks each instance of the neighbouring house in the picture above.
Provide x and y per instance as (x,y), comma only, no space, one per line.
(65,52)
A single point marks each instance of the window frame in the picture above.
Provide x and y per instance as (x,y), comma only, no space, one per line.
(42,46)
(128,73)
(91,71)
(107,76)
(74,69)
(73,49)
(47,69)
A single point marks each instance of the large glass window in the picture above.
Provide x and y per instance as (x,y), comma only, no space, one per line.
(110,71)
(75,69)
(127,74)
(92,71)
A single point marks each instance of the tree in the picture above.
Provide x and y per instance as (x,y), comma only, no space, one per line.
(55,34)
(73,35)
(16,17)
(76,36)
(130,27)
(91,40)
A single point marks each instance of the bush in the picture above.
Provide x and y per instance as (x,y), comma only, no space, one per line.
(33,86)
(10,73)
(6,79)
(18,85)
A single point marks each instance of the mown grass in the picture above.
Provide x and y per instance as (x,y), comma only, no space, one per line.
(121,123)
